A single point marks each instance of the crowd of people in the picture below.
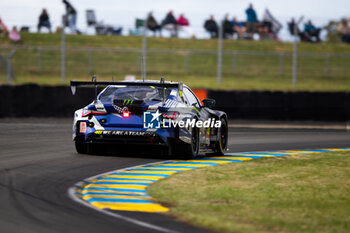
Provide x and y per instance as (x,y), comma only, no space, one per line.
(244,29)
(310,33)
(230,27)
(70,18)
(267,28)
(13,34)
(171,24)
(44,21)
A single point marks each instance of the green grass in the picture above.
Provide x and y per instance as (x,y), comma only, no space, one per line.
(243,72)
(35,39)
(306,193)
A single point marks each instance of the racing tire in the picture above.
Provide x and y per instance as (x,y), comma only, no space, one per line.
(80,145)
(221,143)
(190,151)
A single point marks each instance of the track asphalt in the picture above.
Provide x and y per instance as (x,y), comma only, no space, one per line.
(39,164)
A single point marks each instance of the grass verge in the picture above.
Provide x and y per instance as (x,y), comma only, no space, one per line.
(306,193)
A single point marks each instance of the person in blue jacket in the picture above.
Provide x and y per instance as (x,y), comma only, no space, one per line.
(311,31)
(252,21)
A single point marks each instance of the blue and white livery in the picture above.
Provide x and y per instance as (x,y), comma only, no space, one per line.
(143,113)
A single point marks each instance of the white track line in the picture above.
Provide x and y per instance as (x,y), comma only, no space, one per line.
(71,194)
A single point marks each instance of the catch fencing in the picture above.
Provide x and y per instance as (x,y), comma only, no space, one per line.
(41,64)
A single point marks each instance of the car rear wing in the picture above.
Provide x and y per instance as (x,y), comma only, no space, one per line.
(95,83)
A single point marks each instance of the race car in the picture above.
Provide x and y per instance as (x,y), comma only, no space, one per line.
(143,113)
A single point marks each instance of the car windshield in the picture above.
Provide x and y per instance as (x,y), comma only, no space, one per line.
(146,93)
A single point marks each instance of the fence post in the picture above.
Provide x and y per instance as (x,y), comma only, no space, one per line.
(10,74)
(63,51)
(295,51)
(144,49)
(39,59)
(219,68)
(281,64)
(295,60)
(187,58)
(90,61)
(328,56)
(234,62)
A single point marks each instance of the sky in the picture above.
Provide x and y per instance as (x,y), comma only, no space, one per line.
(124,12)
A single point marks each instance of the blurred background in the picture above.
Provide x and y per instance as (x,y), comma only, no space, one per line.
(108,39)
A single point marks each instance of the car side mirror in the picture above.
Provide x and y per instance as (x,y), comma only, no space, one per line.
(209,103)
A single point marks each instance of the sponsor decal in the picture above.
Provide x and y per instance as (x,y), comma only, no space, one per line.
(82,128)
(126,102)
(124,133)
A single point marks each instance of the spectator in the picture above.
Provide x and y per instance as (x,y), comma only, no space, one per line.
(71,15)
(44,21)
(238,27)
(170,23)
(184,24)
(14,35)
(3,28)
(211,26)
(265,30)
(293,31)
(252,21)
(344,31)
(227,28)
(301,35)
(153,25)
(311,31)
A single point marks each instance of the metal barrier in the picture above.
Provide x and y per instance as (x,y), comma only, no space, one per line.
(41,64)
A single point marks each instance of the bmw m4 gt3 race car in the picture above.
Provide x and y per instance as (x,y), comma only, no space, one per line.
(155,113)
